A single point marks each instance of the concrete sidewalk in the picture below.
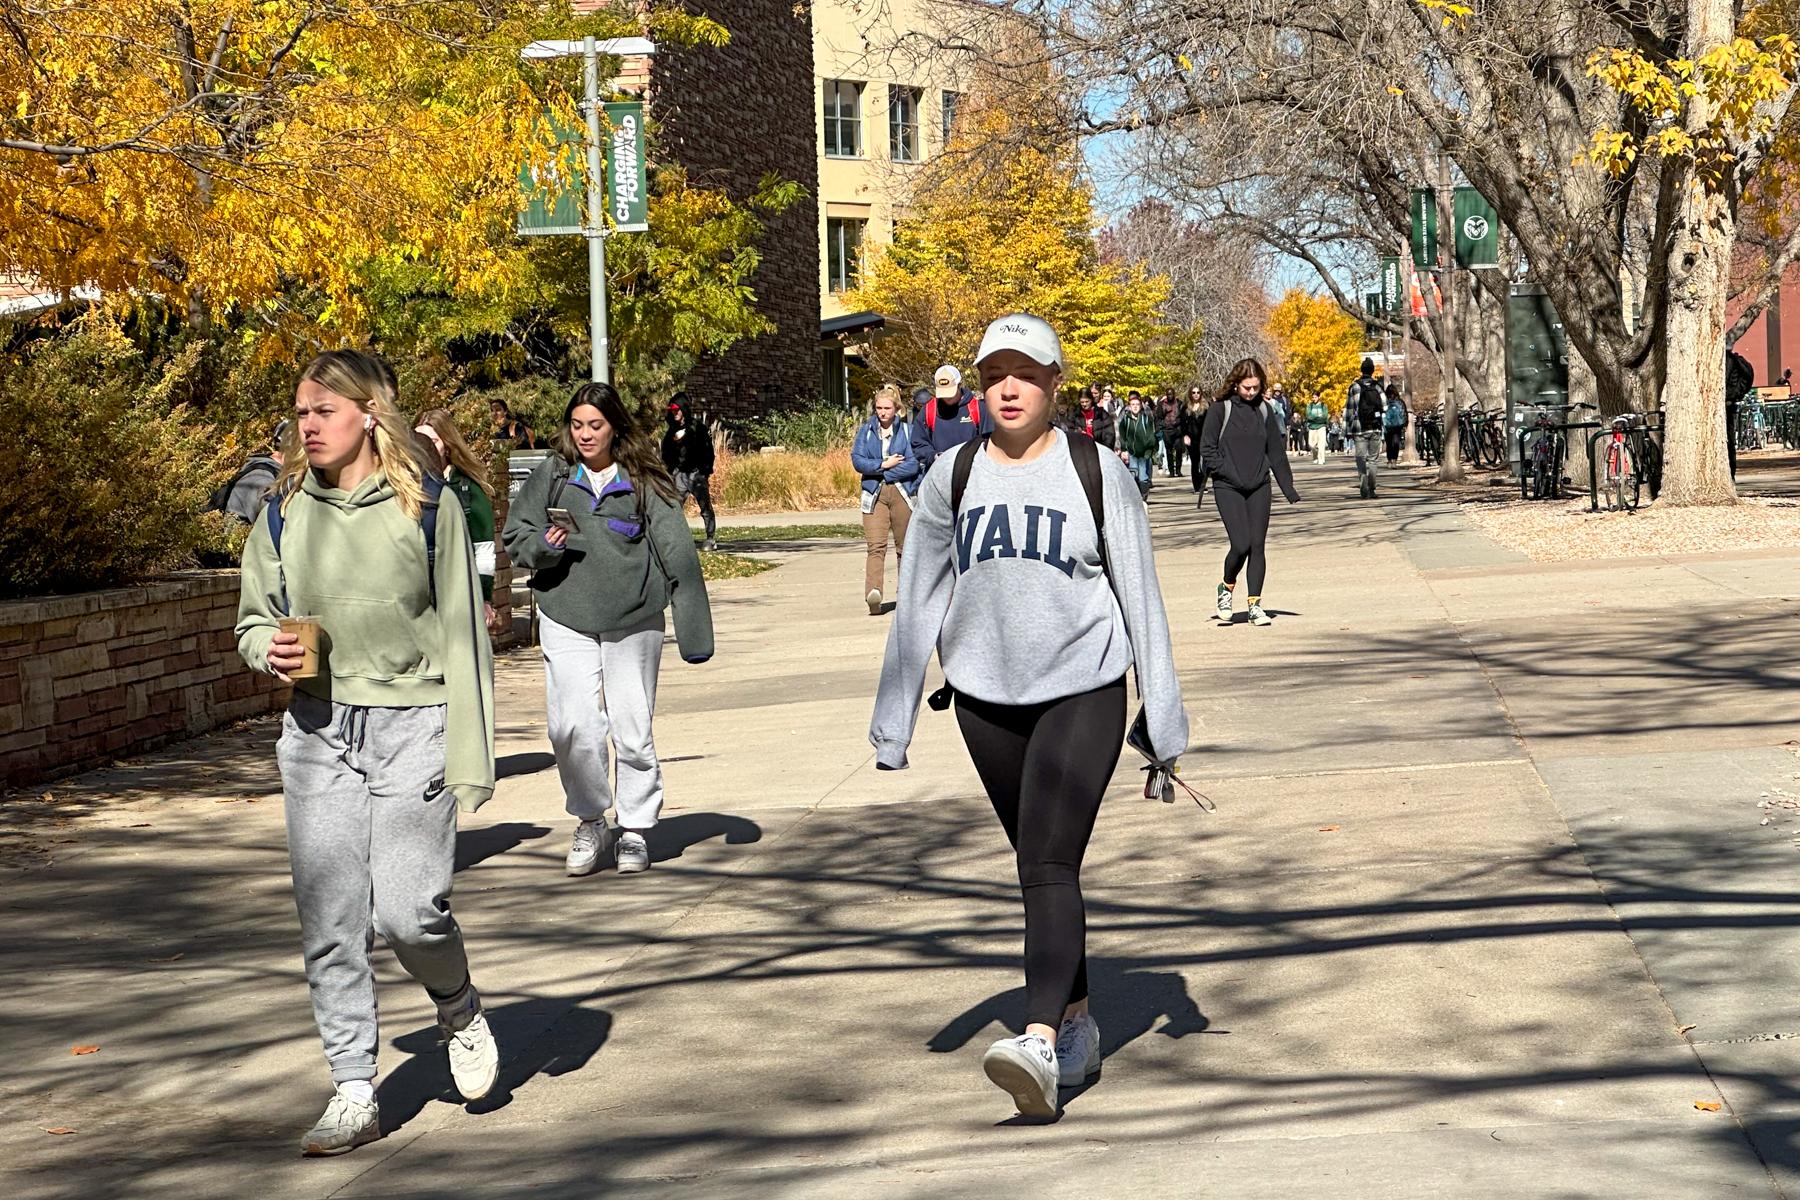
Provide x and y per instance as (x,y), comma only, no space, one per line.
(1486,910)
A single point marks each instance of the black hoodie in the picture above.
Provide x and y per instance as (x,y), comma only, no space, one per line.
(1243,452)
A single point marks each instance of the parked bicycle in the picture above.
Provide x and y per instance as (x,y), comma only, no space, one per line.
(1428,436)
(1621,479)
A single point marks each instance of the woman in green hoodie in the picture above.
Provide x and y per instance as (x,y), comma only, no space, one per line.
(392,731)
(598,526)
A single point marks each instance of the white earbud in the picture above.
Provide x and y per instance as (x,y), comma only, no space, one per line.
(368,422)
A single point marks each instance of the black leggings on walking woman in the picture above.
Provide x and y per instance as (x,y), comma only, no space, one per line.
(1045,768)
(1246,516)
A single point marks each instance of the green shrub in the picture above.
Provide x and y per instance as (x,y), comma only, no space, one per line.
(814,430)
(101,477)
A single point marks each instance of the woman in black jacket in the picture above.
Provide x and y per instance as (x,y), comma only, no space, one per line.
(1193,420)
(1241,442)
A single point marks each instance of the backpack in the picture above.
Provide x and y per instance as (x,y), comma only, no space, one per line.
(1396,413)
(931,408)
(434,488)
(1369,407)
(1268,413)
(220,500)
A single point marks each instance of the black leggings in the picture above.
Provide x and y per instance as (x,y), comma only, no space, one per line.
(1246,516)
(1045,768)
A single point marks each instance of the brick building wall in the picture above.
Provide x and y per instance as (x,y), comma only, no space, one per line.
(731,115)
(91,677)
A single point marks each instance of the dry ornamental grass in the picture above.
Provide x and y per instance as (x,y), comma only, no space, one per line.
(1564,531)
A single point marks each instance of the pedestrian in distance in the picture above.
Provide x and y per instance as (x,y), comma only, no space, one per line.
(1365,411)
(465,476)
(1242,446)
(1137,441)
(1032,575)
(1297,440)
(609,552)
(687,453)
(1284,407)
(390,728)
(1109,403)
(243,495)
(1168,432)
(953,416)
(1093,419)
(1193,424)
(510,429)
(883,454)
(1318,421)
(1393,423)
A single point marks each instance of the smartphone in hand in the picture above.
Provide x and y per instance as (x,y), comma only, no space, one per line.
(562,518)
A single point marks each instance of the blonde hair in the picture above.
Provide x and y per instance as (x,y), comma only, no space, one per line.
(890,391)
(456,449)
(367,381)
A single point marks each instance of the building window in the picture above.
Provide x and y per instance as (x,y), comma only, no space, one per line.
(951,100)
(843,252)
(843,118)
(903,123)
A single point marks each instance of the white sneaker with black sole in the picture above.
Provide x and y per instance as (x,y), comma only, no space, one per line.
(1077,1050)
(346,1124)
(633,853)
(1024,1067)
(592,840)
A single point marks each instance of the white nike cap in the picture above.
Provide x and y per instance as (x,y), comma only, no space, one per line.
(1030,336)
(947,383)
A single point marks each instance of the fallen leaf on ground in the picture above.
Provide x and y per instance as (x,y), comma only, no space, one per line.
(84,1049)
(1329,828)
(1686,1029)
(183,954)
(1707,1105)
(59,1130)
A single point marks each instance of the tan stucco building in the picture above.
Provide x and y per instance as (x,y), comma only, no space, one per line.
(885,98)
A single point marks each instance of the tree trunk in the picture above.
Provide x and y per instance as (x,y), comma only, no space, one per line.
(1696,468)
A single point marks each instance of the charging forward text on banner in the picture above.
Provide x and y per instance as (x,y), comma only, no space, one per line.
(627,196)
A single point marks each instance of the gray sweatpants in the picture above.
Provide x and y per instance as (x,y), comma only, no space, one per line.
(600,688)
(372,841)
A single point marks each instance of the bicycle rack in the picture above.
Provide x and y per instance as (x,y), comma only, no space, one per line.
(1525,460)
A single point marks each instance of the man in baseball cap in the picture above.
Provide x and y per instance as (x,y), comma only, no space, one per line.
(953,417)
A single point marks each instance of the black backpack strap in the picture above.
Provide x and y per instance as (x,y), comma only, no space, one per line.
(434,490)
(959,473)
(278,522)
(1084,452)
(559,479)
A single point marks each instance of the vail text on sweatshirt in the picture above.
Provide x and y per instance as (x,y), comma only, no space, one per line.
(1013,597)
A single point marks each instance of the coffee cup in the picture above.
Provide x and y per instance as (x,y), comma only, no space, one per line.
(307,630)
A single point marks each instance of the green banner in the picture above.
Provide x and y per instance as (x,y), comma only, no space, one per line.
(553,192)
(1372,304)
(1477,230)
(1424,228)
(1393,286)
(627,193)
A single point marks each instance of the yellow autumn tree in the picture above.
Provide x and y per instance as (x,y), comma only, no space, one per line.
(1003,225)
(218,153)
(1318,348)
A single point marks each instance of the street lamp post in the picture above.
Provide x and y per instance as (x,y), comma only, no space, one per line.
(593,226)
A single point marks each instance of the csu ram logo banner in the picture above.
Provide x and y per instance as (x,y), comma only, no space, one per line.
(627,193)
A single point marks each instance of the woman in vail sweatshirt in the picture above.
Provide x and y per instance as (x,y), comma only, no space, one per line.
(1241,442)
(393,734)
(608,549)
(1036,619)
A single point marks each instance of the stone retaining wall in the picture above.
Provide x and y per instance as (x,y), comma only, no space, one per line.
(92,677)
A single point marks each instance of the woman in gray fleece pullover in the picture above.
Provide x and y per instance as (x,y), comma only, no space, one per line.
(1013,592)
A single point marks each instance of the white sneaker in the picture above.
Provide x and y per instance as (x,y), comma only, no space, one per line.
(1077,1050)
(633,854)
(592,840)
(1259,617)
(346,1124)
(1024,1067)
(874,599)
(474,1054)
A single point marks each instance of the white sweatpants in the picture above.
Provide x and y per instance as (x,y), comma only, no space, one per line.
(598,687)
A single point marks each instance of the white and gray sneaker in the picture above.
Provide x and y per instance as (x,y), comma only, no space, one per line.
(347,1124)
(592,840)
(1077,1050)
(474,1054)
(1024,1067)
(633,853)
(1222,609)
(1259,617)
(874,599)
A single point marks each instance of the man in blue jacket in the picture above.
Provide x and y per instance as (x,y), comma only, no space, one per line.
(951,418)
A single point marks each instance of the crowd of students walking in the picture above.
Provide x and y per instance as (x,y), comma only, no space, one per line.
(1026,567)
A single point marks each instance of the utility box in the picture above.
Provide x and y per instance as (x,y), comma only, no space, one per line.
(1537,359)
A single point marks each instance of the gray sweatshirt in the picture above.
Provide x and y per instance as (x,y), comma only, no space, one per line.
(1015,601)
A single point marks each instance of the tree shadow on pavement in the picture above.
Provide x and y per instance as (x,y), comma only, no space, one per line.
(1127,1002)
